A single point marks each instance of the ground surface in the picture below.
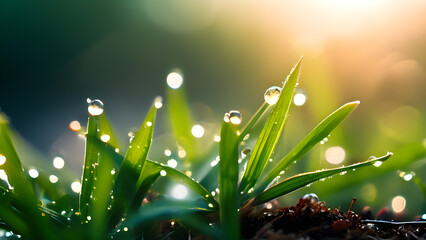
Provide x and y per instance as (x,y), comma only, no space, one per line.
(311,219)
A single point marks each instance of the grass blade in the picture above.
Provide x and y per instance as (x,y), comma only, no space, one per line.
(89,167)
(125,186)
(182,178)
(228,181)
(293,183)
(186,212)
(181,120)
(22,186)
(321,131)
(254,120)
(271,132)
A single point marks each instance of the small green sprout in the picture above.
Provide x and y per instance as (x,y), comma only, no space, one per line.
(118,195)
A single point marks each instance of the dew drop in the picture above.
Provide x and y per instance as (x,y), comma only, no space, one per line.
(378,163)
(235,117)
(163,173)
(96,107)
(167,152)
(216,138)
(105,138)
(312,196)
(210,205)
(158,102)
(2,159)
(246,152)
(172,163)
(272,95)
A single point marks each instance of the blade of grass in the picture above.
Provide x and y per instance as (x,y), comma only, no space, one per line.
(164,210)
(228,181)
(181,120)
(253,120)
(22,186)
(271,132)
(301,180)
(182,178)
(125,186)
(321,131)
(91,158)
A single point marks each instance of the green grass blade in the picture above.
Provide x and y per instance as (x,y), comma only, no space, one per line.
(22,186)
(186,212)
(182,178)
(321,131)
(228,181)
(254,120)
(89,167)
(301,180)
(271,132)
(181,120)
(13,166)
(125,186)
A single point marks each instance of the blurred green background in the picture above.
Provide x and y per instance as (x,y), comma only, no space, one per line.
(54,55)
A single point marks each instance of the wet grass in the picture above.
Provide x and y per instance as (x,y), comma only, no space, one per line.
(117,198)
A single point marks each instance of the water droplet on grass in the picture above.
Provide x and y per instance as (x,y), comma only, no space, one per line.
(272,95)
(235,117)
(245,152)
(311,196)
(96,107)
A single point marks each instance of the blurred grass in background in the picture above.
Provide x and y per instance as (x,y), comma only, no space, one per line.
(55,55)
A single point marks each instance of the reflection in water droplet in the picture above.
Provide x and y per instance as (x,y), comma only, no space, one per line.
(312,196)
(299,99)
(53,179)
(125,229)
(216,138)
(214,163)
(96,107)
(163,173)
(246,137)
(245,152)
(235,117)
(398,204)
(272,95)
(167,152)
(172,163)
(33,173)
(2,159)
(112,171)
(268,205)
(197,131)
(174,80)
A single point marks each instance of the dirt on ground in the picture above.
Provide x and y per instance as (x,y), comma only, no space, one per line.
(311,219)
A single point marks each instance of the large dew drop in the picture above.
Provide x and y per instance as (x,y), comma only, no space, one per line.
(96,107)
(272,95)
(235,117)
(311,196)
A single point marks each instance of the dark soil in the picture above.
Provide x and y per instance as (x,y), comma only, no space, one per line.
(311,219)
